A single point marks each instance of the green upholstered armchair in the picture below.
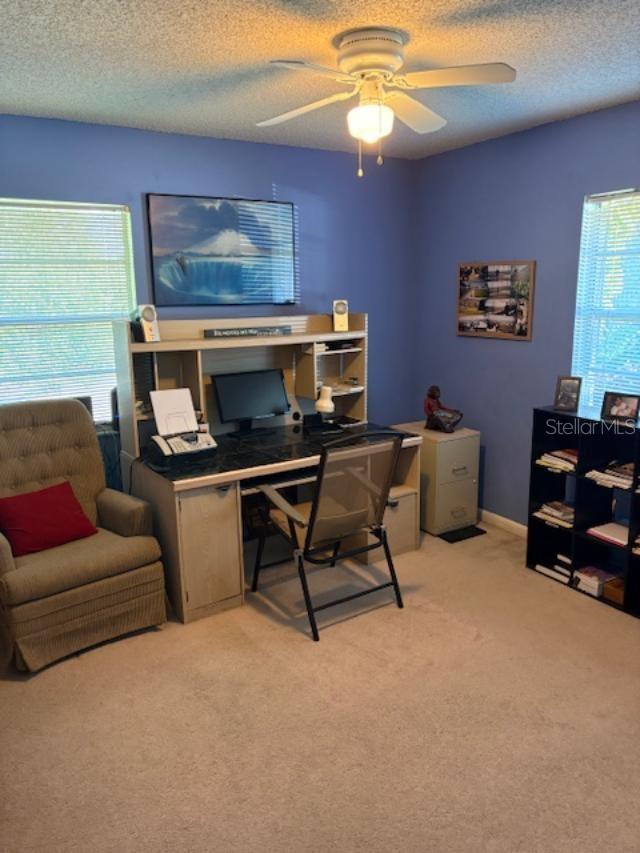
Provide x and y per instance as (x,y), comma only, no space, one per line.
(59,601)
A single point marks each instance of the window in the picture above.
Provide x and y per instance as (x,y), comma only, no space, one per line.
(66,271)
(606,341)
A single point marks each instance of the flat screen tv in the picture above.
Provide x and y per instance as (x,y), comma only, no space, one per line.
(221,251)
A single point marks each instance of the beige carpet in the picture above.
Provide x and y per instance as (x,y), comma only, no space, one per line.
(497,712)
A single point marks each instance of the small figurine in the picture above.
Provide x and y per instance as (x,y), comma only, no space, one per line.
(438,416)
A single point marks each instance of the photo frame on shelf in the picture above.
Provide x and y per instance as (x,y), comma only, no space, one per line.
(495,299)
(623,408)
(567,397)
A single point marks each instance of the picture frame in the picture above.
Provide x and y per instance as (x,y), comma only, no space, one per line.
(623,408)
(208,251)
(495,300)
(567,396)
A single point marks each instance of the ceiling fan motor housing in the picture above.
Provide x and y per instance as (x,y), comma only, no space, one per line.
(369,50)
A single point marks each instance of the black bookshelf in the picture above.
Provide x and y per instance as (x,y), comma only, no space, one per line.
(597,444)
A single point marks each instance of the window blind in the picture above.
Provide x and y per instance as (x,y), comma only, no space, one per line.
(66,272)
(606,341)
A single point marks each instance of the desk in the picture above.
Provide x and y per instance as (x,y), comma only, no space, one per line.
(197,509)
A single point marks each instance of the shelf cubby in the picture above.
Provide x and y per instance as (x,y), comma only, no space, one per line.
(317,366)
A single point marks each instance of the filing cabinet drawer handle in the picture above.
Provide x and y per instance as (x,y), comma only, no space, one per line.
(392,503)
(461,469)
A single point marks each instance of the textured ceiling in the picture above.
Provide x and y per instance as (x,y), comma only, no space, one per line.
(201,66)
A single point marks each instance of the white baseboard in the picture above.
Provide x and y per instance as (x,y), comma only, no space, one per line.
(504,523)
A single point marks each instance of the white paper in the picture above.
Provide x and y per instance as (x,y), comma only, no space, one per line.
(173,411)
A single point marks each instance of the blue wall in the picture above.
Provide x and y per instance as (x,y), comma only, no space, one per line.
(518,197)
(390,244)
(354,234)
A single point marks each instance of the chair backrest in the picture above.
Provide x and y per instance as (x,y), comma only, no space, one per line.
(45,442)
(353,485)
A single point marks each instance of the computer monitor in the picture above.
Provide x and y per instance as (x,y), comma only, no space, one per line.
(244,397)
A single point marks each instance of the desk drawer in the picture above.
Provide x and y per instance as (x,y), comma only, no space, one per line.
(458,460)
(456,506)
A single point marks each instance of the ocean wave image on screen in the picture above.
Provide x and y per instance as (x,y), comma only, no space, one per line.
(217,251)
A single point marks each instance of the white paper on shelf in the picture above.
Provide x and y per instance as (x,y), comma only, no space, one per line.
(173,411)
(552,573)
(612,532)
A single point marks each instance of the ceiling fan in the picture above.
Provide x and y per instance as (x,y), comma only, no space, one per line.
(369,60)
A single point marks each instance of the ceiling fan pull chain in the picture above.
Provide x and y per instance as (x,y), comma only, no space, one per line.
(360,172)
(379,158)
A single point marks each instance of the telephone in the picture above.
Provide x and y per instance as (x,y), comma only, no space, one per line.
(176,422)
(187,442)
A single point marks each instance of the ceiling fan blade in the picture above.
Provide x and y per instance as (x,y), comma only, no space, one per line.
(414,114)
(297,65)
(300,111)
(462,75)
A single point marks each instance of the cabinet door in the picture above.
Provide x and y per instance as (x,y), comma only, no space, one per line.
(456,506)
(458,459)
(210,544)
(402,531)
(400,521)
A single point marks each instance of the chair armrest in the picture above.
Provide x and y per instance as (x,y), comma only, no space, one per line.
(123,514)
(278,501)
(7,563)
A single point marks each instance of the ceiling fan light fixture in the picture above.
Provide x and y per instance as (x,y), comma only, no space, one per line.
(369,59)
(370,122)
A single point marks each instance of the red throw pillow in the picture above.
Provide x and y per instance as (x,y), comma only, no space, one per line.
(39,520)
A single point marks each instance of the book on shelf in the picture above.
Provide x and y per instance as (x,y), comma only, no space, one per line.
(592,579)
(613,533)
(562,558)
(569,454)
(561,510)
(617,475)
(552,573)
(559,460)
(552,519)
(620,469)
(556,512)
(608,480)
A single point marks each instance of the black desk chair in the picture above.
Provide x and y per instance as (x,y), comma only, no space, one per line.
(350,498)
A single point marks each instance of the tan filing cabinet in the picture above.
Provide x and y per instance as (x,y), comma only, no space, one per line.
(449,465)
